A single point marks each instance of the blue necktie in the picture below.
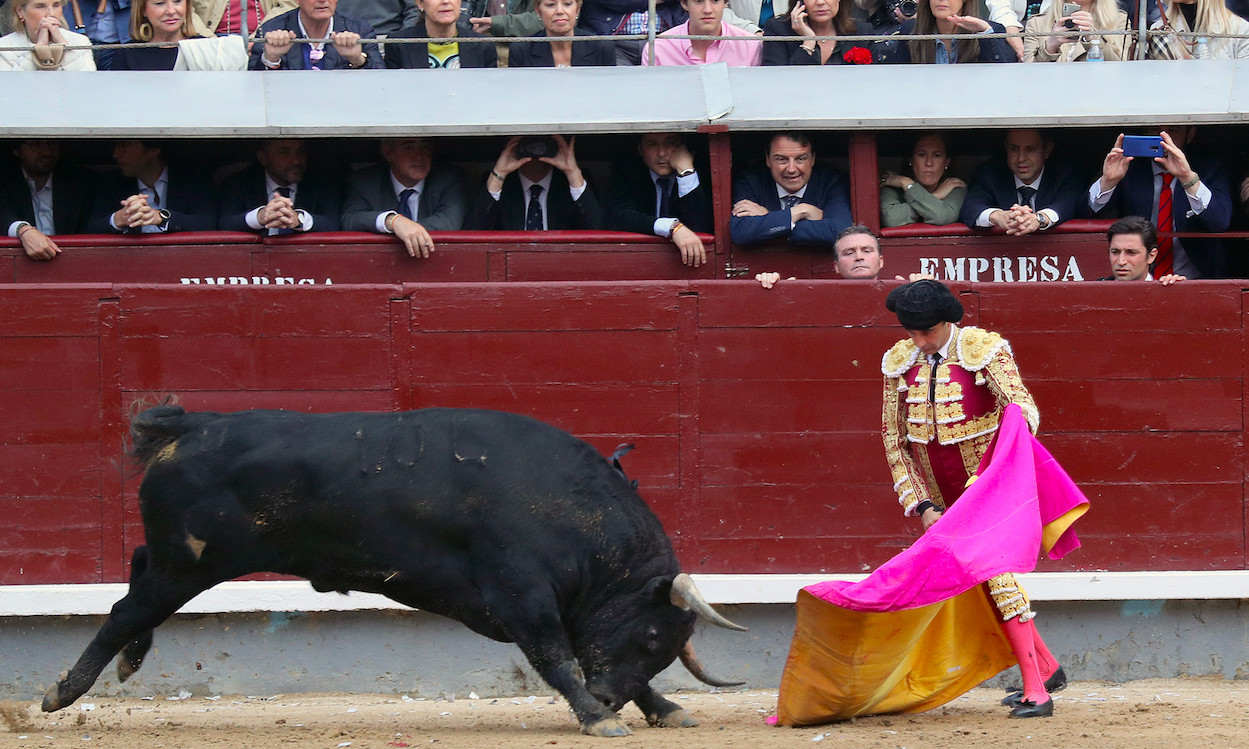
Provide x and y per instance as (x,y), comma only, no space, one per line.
(665,184)
(533,215)
(789,201)
(766,12)
(405,209)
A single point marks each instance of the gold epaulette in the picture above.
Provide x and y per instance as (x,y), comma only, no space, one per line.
(977,347)
(900,358)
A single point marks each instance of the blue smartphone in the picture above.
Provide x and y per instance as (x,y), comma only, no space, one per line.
(1148,146)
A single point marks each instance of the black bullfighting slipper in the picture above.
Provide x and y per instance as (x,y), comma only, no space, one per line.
(1055,683)
(1028,709)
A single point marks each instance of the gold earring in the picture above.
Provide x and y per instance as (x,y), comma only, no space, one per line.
(145,32)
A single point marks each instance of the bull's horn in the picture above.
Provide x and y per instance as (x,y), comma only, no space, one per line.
(685,594)
(695,667)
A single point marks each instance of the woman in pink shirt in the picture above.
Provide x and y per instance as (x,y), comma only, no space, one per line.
(706,19)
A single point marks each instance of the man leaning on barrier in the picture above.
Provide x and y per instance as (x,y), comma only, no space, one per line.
(314,19)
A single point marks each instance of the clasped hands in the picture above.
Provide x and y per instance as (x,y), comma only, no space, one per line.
(279,213)
(135,212)
(1017,220)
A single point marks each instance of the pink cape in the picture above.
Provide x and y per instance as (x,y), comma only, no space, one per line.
(918,632)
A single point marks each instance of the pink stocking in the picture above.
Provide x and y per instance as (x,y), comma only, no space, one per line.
(1046,662)
(1020,635)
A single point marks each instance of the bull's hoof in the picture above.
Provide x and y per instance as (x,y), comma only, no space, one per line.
(607,728)
(678,718)
(126,669)
(52,699)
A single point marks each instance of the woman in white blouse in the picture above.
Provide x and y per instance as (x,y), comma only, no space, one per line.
(46,43)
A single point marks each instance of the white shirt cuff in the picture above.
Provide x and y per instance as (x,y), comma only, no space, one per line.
(13,227)
(1050,214)
(1201,200)
(1098,198)
(253,219)
(687,184)
(577,192)
(663,226)
(305,219)
(381,221)
(983,219)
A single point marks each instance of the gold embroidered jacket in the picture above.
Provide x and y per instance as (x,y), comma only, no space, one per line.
(974,384)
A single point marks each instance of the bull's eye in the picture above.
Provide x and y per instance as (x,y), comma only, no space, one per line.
(652,638)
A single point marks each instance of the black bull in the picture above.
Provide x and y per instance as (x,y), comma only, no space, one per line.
(515,528)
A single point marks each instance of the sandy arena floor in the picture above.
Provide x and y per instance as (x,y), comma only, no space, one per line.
(1163,713)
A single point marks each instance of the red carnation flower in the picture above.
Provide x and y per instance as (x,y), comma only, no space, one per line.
(858,56)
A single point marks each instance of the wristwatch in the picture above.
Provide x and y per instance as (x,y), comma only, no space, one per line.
(686,173)
(164,219)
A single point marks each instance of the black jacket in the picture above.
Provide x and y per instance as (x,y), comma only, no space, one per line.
(472,55)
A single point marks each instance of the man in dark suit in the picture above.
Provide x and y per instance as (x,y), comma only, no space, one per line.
(791,197)
(663,195)
(546,192)
(314,19)
(40,198)
(154,197)
(274,196)
(1025,192)
(408,196)
(1179,192)
(442,21)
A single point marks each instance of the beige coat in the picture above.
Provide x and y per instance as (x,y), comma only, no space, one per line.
(207,13)
(1114,47)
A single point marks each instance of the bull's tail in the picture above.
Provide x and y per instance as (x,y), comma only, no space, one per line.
(154,429)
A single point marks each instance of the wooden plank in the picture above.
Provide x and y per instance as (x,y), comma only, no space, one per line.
(387,264)
(309,401)
(623,263)
(997,258)
(1121,308)
(49,470)
(271,312)
(753,406)
(1150,457)
(774,354)
(544,307)
(802,303)
(56,362)
(49,311)
(1134,405)
(506,356)
(152,264)
(640,409)
(50,540)
(50,416)
(114,427)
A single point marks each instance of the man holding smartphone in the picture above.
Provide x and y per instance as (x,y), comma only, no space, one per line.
(1177,191)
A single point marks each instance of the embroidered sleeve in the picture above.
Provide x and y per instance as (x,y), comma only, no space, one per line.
(1003,379)
(907,480)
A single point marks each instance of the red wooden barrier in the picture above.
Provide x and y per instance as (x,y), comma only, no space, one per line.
(756,413)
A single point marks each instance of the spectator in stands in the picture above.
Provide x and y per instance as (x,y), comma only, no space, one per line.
(553,46)
(756,13)
(630,17)
(408,196)
(315,19)
(1198,17)
(385,17)
(221,17)
(40,28)
(519,20)
(705,19)
(537,185)
(441,19)
(276,195)
(858,254)
(40,198)
(805,21)
(791,197)
(928,196)
(663,195)
(942,17)
(1133,247)
(1026,191)
(111,25)
(1179,192)
(154,196)
(1077,32)
(166,21)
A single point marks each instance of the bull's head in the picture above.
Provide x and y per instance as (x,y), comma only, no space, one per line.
(641,635)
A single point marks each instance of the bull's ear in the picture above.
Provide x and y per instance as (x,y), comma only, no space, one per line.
(658,589)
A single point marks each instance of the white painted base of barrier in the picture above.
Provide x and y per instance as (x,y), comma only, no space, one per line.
(297,595)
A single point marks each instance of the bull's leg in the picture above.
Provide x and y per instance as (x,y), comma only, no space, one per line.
(661,712)
(153,597)
(133,654)
(564,675)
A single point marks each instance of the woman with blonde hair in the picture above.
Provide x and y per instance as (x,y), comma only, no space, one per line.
(165,21)
(1188,19)
(41,30)
(1076,32)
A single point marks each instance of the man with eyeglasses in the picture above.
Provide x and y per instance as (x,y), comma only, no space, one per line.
(791,198)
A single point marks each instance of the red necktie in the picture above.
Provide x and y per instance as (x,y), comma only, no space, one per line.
(1166,225)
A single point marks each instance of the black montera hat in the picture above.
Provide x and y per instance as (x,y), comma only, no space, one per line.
(923,304)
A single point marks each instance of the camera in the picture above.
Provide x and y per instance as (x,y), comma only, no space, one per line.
(885,16)
(536,146)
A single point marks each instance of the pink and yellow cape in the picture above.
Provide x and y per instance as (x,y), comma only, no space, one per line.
(920,630)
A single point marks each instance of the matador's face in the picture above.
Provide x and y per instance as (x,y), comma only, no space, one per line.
(930,340)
